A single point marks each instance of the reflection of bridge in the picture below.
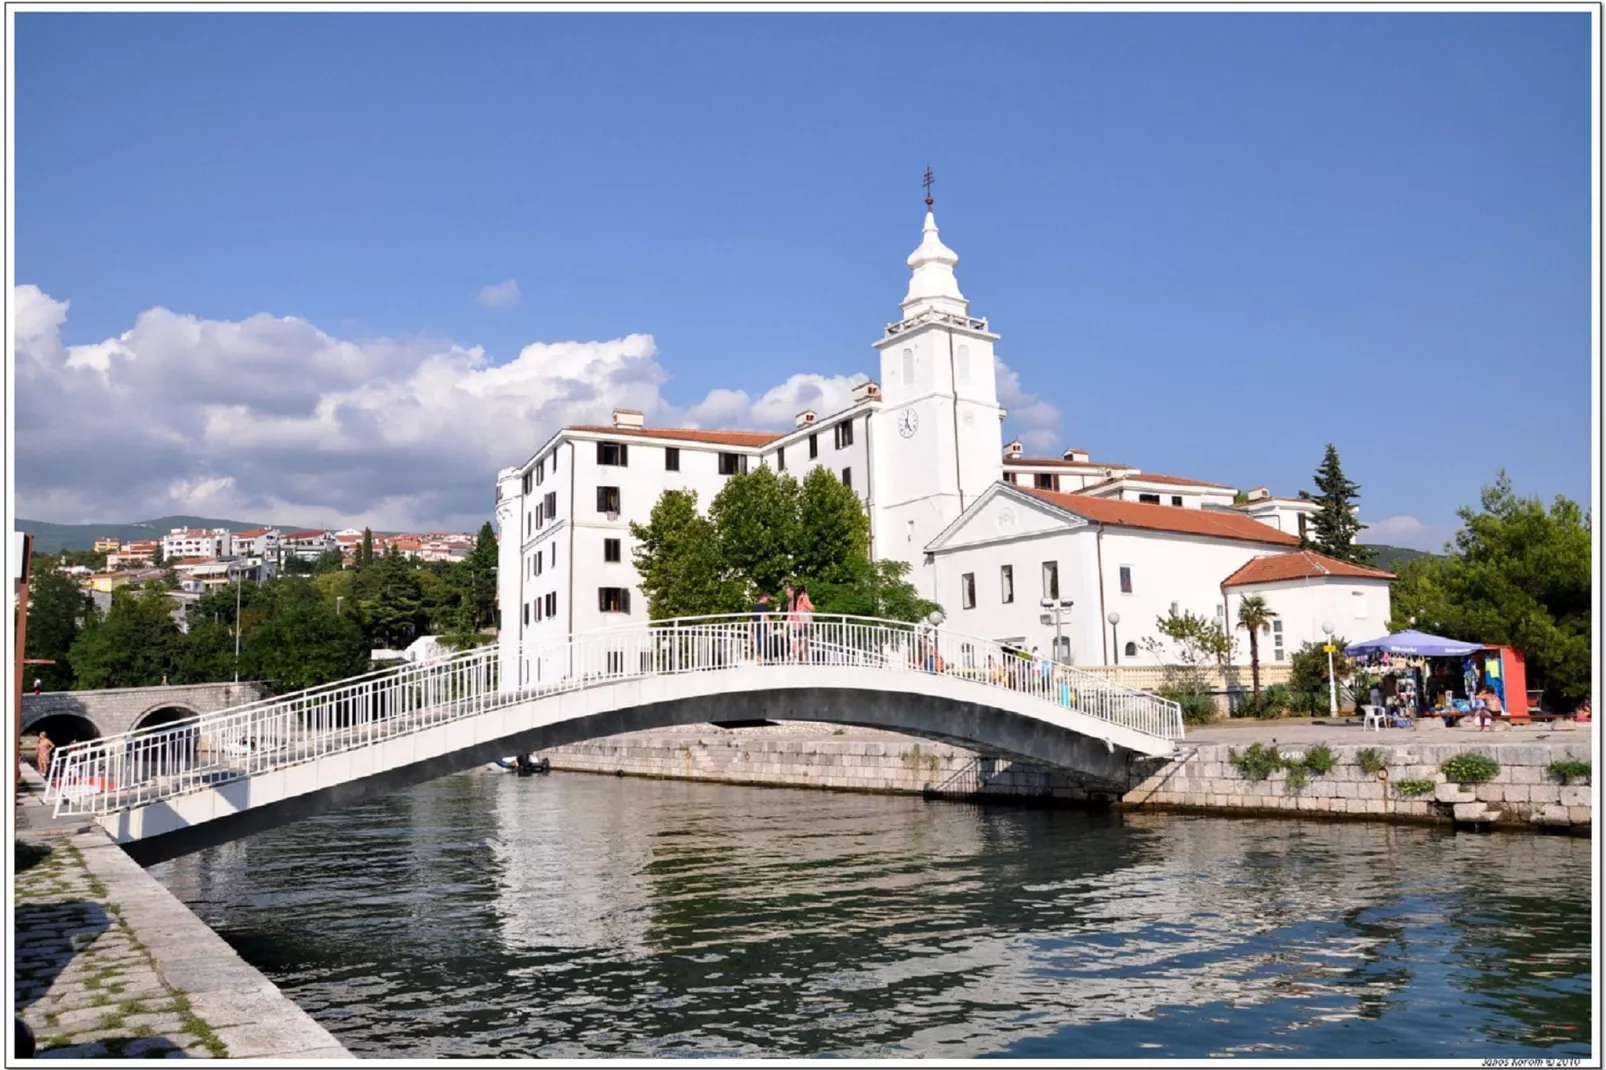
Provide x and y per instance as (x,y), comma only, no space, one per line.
(73,715)
(165,791)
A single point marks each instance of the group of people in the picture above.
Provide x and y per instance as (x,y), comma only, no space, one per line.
(781,631)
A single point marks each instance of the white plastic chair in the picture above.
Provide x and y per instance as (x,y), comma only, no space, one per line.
(1374,717)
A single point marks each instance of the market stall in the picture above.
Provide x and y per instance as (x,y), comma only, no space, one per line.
(1422,673)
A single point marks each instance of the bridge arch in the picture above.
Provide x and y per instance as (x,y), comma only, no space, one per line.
(63,728)
(165,713)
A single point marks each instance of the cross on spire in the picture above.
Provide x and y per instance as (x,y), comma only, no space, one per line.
(929,180)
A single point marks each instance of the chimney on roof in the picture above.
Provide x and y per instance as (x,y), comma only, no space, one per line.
(867,389)
(628,419)
(1014,449)
(1258,494)
(1074,454)
(805,418)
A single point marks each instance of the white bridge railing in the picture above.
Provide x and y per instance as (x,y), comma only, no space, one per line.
(136,768)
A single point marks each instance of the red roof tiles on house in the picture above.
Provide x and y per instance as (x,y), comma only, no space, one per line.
(1118,514)
(1154,477)
(1300,565)
(684,434)
(1058,462)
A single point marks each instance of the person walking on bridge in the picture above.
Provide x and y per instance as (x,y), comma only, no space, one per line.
(761,626)
(802,618)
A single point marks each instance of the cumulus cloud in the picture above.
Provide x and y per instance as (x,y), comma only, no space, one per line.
(1028,417)
(270,418)
(1406,531)
(500,294)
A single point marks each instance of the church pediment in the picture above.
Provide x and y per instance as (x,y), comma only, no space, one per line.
(1003,514)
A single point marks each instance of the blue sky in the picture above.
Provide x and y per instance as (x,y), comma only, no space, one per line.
(1213,241)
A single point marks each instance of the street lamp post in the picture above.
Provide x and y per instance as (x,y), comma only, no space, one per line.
(238,587)
(1332,683)
(1115,635)
(1058,607)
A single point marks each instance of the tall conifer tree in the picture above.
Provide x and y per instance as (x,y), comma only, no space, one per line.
(1335,526)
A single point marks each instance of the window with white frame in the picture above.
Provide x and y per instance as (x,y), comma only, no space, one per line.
(844,434)
(1276,640)
(1126,579)
(1051,579)
(1006,583)
(967,591)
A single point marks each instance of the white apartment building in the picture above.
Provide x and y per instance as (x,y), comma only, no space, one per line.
(258,542)
(197,542)
(923,449)
(306,545)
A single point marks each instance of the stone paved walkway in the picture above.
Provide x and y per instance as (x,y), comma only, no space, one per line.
(85,983)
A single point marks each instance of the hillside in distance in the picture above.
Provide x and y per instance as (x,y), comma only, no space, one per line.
(51,538)
(1392,558)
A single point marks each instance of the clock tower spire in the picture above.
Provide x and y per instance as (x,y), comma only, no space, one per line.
(939,389)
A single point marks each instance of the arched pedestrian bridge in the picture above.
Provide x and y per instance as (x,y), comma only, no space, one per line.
(167,791)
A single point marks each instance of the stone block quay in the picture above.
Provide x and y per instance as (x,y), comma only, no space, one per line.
(110,965)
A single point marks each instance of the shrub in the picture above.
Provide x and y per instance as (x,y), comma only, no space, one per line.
(1298,777)
(1307,670)
(1470,768)
(1569,770)
(1412,788)
(1257,762)
(1320,759)
(1271,704)
(1371,760)
(1197,706)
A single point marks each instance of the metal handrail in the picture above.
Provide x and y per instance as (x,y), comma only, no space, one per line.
(144,765)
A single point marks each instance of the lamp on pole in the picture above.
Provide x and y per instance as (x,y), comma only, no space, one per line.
(1057,608)
(339,598)
(238,587)
(1332,684)
(1115,636)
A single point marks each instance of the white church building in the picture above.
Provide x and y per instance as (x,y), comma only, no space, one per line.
(988,532)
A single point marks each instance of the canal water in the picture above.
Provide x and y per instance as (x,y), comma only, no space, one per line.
(575,916)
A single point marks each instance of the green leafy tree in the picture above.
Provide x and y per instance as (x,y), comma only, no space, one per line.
(365,552)
(331,560)
(58,610)
(134,645)
(1333,527)
(756,517)
(207,653)
(833,532)
(1517,574)
(1199,642)
(302,643)
(677,555)
(478,573)
(390,601)
(1254,616)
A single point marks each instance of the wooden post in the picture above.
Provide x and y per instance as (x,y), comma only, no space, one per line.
(22,648)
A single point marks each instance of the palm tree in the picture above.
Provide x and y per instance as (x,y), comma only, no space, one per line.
(1255,616)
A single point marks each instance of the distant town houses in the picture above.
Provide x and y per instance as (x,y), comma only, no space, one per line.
(197,542)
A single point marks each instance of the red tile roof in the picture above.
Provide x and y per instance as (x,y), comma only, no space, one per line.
(1155,477)
(1302,564)
(1118,514)
(1059,462)
(254,533)
(685,434)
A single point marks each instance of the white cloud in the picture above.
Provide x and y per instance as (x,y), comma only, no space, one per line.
(1406,531)
(272,419)
(500,294)
(1027,417)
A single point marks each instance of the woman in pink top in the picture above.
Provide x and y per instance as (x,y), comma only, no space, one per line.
(802,616)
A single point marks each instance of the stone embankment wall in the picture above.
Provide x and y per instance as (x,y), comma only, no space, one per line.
(1202,777)
(1522,792)
(806,755)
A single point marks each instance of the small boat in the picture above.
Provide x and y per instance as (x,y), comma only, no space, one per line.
(523,765)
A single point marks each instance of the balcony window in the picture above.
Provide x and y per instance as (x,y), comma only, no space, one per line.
(527,486)
(731,464)
(552,604)
(613,599)
(671,458)
(967,591)
(614,454)
(1149,499)
(608,500)
(844,434)
(610,549)
(1046,482)
(814,446)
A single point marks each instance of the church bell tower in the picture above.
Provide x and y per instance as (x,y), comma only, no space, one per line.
(939,393)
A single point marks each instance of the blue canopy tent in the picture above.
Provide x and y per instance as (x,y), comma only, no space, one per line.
(1416,644)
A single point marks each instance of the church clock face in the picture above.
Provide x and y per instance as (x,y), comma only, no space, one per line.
(908,423)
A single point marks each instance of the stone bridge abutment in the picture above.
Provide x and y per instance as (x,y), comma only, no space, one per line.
(115,710)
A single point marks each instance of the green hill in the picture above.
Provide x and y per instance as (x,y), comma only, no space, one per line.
(1391,558)
(50,538)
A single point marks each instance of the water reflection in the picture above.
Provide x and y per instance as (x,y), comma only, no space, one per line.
(576,916)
